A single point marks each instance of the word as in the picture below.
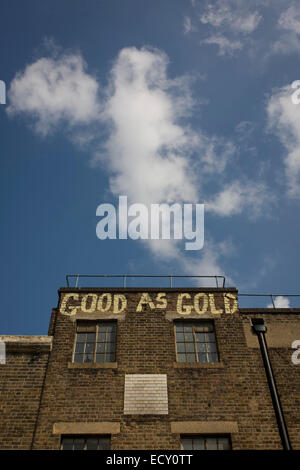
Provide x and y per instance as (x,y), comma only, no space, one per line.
(295,96)
(155,226)
(2,92)
(296,354)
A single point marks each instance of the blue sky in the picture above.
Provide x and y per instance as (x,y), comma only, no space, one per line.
(162,101)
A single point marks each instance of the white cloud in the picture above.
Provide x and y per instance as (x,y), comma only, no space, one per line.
(290,19)
(149,149)
(226,46)
(289,25)
(188,26)
(55,90)
(209,264)
(232,22)
(233,15)
(284,121)
(238,196)
(280,302)
(244,130)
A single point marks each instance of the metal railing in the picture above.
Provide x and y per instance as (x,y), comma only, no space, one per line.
(271,296)
(171,278)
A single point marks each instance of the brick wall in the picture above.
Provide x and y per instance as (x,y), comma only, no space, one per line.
(229,396)
(21,380)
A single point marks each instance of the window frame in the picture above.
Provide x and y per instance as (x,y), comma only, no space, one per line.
(95,323)
(205,437)
(85,437)
(194,323)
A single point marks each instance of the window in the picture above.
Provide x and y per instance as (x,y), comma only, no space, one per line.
(85,443)
(205,442)
(95,342)
(196,342)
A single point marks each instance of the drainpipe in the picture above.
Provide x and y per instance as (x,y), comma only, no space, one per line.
(259,328)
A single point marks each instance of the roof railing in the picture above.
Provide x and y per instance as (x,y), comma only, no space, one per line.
(271,296)
(220,280)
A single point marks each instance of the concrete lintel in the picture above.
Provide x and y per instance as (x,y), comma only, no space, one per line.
(27,343)
(204,427)
(86,428)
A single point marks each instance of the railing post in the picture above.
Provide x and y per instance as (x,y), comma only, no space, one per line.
(272,301)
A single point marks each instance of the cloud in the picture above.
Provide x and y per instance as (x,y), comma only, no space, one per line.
(231,14)
(149,148)
(188,25)
(244,130)
(284,120)
(232,22)
(55,90)
(290,19)
(289,25)
(280,302)
(138,130)
(238,196)
(226,46)
(209,264)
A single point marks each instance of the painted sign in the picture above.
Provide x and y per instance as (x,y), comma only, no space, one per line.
(186,303)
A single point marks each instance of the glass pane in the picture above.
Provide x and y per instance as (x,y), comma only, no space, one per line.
(78,444)
(223,443)
(202,357)
(89,347)
(79,347)
(212,357)
(198,444)
(179,337)
(100,347)
(110,357)
(200,337)
(201,347)
(179,327)
(188,328)
(187,444)
(190,358)
(211,347)
(110,347)
(88,358)
(110,328)
(190,347)
(101,337)
(92,444)
(104,443)
(189,337)
(91,337)
(180,347)
(99,357)
(67,444)
(78,357)
(211,443)
(111,335)
(81,337)
(211,337)
(181,357)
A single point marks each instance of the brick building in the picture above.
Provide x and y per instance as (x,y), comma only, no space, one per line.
(149,368)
